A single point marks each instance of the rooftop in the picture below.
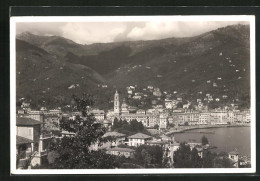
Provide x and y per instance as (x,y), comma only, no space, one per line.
(21,140)
(140,135)
(113,134)
(22,121)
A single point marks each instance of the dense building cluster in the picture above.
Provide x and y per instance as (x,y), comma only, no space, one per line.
(166,116)
(35,128)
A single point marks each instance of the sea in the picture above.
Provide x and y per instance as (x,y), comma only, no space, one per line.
(225,139)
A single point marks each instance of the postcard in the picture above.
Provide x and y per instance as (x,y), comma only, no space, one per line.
(132,94)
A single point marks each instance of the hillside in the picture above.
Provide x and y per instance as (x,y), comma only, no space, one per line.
(187,65)
(42,76)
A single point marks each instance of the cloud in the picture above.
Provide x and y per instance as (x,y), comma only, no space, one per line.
(104,32)
(159,30)
(87,33)
(39,28)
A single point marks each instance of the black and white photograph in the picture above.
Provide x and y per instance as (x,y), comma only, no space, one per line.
(132,94)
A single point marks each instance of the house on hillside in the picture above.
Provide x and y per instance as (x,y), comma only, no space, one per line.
(157,92)
(138,139)
(137,97)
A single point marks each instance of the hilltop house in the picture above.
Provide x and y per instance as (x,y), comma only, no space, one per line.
(157,92)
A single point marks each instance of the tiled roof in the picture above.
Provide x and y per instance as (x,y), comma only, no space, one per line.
(21,140)
(140,135)
(121,149)
(113,134)
(21,121)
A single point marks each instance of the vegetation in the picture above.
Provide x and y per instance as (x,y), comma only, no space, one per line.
(222,161)
(156,126)
(186,123)
(149,156)
(122,126)
(74,152)
(204,140)
(184,157)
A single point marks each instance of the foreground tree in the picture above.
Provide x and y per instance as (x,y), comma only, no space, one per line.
(208,159)
(75,152)
(149,156)
(184,157)
(129,128)
(204,140)
(222,161)
(156,126)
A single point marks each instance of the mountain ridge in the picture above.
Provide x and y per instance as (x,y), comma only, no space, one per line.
(173,64)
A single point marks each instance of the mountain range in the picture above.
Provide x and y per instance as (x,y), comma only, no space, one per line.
(52,68)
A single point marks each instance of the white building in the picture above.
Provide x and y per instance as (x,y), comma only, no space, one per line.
(163,118)
(99,114)
(233,156)
(204,118)
(138,139)
(168,104)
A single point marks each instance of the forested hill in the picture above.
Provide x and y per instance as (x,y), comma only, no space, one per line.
(52,67)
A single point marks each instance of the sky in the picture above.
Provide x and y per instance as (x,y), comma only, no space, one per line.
(105,32)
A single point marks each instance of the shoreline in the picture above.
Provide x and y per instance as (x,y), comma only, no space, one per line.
(204,127)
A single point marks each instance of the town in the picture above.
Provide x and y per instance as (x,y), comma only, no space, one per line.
(173,114)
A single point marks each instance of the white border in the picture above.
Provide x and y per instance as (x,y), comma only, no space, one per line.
(14,20)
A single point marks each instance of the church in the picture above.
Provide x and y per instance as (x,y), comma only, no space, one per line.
(122,112)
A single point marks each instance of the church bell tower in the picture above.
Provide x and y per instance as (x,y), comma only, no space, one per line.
(116,103)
